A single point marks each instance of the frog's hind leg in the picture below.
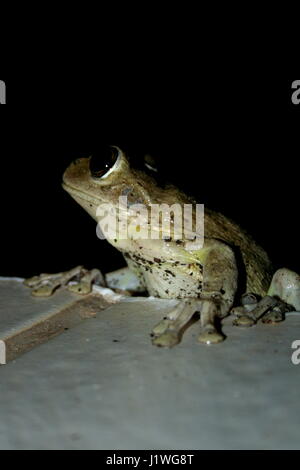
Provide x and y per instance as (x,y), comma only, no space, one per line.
(283,296)
(45,284)
(285,286)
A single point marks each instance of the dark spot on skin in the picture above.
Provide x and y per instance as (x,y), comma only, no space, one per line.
(170,272)
(116,240)
(167,291)
(191,274)
(157,260)
(222,291)
(91,205)
(116,341)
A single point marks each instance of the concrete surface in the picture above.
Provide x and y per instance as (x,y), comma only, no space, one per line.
(27,321)
(102,385)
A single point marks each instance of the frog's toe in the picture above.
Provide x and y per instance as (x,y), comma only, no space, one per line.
(32,281)
(277,314)
(85,284)
(44,290)
(273,317)
(168,339)
(244,320)
(45,284)
(81,288)
(210,336)
(167,333)
(161,327)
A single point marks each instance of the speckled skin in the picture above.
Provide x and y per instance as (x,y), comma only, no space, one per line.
(165,267)
(208,278)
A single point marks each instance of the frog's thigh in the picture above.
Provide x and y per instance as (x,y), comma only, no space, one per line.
(286,285)
(124,279)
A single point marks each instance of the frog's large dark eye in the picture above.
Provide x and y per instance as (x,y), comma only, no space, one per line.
(103,160)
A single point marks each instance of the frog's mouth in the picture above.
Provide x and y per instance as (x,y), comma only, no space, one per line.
(79,194)
(88,203)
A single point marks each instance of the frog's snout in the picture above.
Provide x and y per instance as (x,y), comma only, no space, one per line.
(76,171)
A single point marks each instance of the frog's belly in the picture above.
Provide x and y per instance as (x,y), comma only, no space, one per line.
(171,284)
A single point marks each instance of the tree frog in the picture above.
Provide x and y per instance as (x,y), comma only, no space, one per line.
(208,279)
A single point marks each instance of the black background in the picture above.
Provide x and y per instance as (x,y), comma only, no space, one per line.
(233,142)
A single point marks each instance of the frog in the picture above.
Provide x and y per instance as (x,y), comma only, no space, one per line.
(221,274)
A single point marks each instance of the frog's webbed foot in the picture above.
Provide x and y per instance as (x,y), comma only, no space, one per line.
(168,332)
(85,283)
(45,284)
(283,296)
(269,310)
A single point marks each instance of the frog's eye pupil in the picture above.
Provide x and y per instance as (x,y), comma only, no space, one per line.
(102,161)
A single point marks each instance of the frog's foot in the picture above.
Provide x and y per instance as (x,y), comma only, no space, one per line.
(45,284)
(168,332)
(209,314)
(84,285)
(269,309)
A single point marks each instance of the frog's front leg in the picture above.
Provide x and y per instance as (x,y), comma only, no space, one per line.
(220,276)
(168,332)
(45,284)
(216,299)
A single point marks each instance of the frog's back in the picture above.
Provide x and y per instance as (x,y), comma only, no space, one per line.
(254,260)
